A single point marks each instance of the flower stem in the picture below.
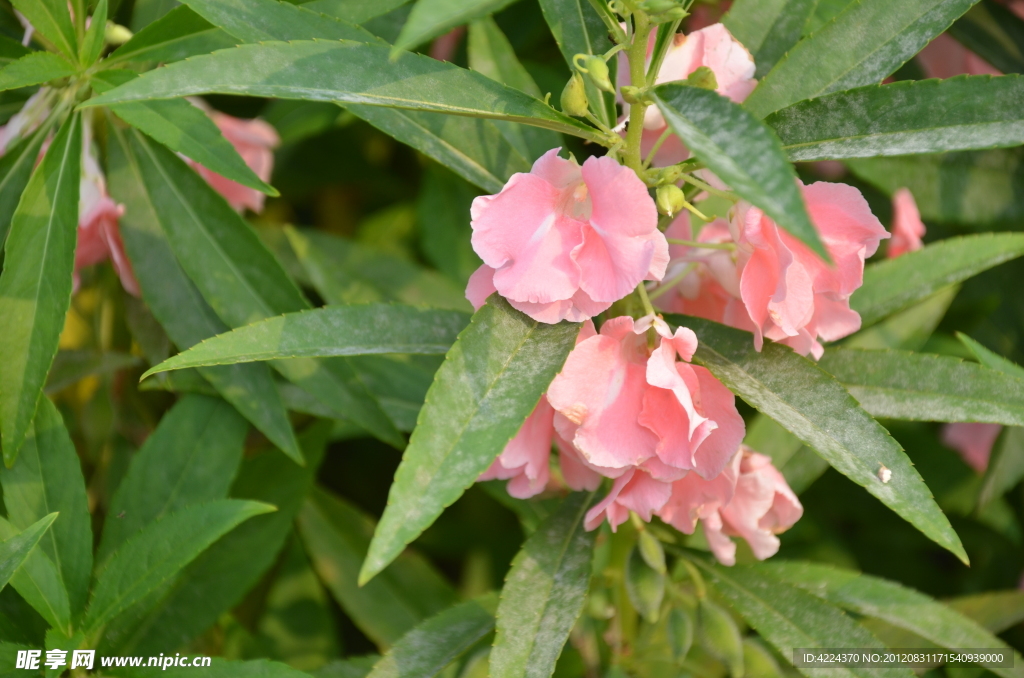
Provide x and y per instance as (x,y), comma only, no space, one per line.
(657,146)
(710,189)
(665,285)
(644,299)
(705,245)
(637,55)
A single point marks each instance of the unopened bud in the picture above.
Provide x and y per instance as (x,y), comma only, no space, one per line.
(704,78)
(631,94)
(670,199)
(658,6)
(597,69)
(116,34)
(720,636)
(574,97)
(674,14)
(649,546)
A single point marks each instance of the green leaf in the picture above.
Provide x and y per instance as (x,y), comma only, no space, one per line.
(862,46)
(908,329)
(262,20)
(355,11)
(1005,467)
(184,128)
(895,284)
(222,575)
(241,279)
(179,34)
(327,332)
(70,367)
(11,50)
(925,387)
(994,33)
(15,550)
(931,116)
(219,668)
(35,286)
(15,169)
(191,457)
(994,610)
(897,605)
(33,69)
(489,383)
(52,18)
(48,479)
(346,72)
(645,586)
(430,646)
(94,42)
(178,305)
(38,583)
(160,551)
(431,18)
(817,409)
(336,536)
(768,28)
(789,617)
(741,151)
(443,212)
(991,359)
(544,593)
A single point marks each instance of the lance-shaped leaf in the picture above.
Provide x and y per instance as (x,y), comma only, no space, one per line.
(190,458)
(70,367)
(991,359)
(33,69)
(430,18)
(894,284)
(812,405)
(262,20)
(327,332)
(433,644)
(11,50)
(178,305)
(768,28)
(993,32)
(52,19)
(336,536)
(159,552)
(544,593)
(184,128)
(489,383)
(346,72)
(931,116)
(220,668)
(925,387)
(15,169)
(741,151)
(39,583)
(179,34)
(15,550)
(893,603)
(789,617)
(355,11)
(35,286)
(863,45)
(95,40)
(47,479)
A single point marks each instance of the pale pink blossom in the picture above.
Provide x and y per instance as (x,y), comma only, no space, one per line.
(944,57)
(907,227)
(564,242)
(255,141)
(635,490)
(973,441)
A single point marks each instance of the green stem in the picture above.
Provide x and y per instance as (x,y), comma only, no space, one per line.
(696,212)
(665,285)
(657,146)
(705,245)
(644,299)
(710,189)
(637,55)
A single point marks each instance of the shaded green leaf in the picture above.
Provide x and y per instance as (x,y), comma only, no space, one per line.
(908,329)
(327,332)
(179,34)
(70,367)
(931,116)
(35,286)
(431,18)
(925,387)
(817,409)
(545,591)
(741,151)
(789,617)
(346,72)
(95,41)
(1005,467)
(262,20)
(994,33)
(15,550)
(994,610)
(52,18)
(48,479)
(645,586)
(33,69)
(336,536)
(160,551)
(220,668)
(895,284)
(39,584)
(11,50)
(768,28)
(489,383)
(191,457)
(178,305)
(355,11)
(991,359)
(443,212)
(431,645)
(15,169)
(863,45)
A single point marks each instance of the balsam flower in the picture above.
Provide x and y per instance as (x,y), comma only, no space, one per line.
(564,242)
(907,227)
(255,141)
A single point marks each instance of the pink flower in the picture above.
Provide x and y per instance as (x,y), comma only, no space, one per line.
(944,57)
(973,441)
(254,140)
(635,490)
(907,227)
(749,499)
(564,242)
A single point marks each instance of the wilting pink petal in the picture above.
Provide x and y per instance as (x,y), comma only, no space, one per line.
(255,141)
(762,507)
(944,57)
(636,491)
(973,441)
(907,227)
(565,241)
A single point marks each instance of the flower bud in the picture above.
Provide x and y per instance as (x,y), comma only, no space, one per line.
(650,549)
(680,633)
(631,94)
(658,6)
(670,199)
(719,635)
(597,69)
(116,34)
(704,78)
(574,97)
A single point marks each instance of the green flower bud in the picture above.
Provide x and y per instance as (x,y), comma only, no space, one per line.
(680,633)
(116,34)
(597,69)
(658,6)
(650,549)
(670,199)
(676,13)
(704,78)
(719,636)
(574,97)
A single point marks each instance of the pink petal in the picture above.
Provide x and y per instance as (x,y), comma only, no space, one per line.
(907,227)
(973,441)
(944,57)
(480,286)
